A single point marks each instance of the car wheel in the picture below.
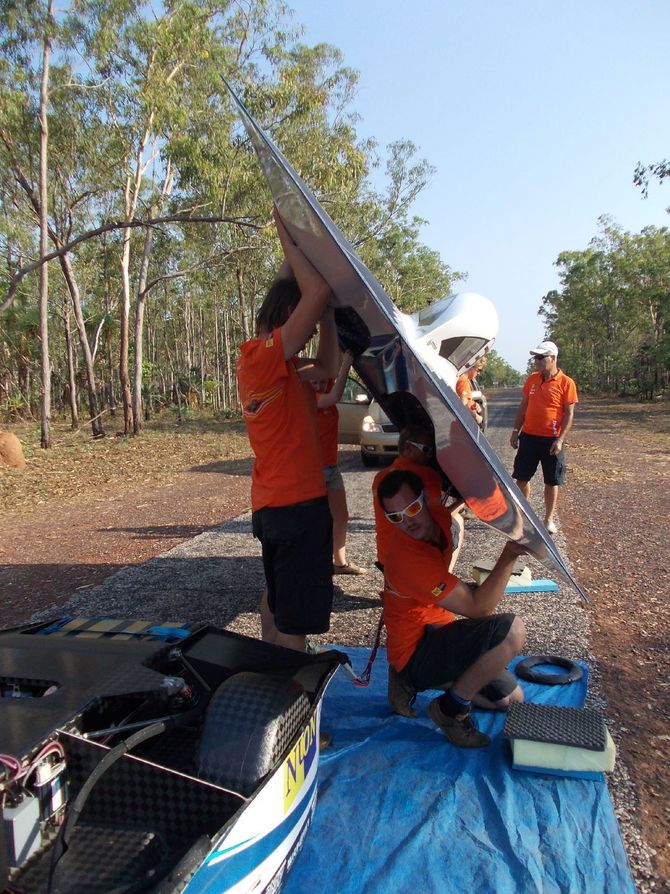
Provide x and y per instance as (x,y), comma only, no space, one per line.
(369,460)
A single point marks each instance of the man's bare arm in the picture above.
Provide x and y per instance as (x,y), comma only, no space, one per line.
(518,422)
(478,602)
(566,425)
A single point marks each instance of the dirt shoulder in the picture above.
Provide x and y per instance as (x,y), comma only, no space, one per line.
(615,517)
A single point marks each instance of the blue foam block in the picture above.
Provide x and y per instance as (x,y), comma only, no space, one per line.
(535,586)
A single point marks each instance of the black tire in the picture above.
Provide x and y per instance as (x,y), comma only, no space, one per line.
(368,460)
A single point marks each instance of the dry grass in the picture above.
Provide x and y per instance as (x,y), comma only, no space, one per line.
(77,467)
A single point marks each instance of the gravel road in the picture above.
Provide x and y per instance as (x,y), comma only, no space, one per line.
(217,578)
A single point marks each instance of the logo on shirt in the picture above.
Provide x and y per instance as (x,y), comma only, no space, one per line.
(258,402)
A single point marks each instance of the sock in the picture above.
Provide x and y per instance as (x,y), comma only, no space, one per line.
(452,704)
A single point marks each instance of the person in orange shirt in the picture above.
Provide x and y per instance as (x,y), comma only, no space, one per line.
(415,450)
(427,644)
(327,417)
(542,423)
(290,514)
(464,389)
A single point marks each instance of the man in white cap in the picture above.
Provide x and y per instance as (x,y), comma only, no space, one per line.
(541,425)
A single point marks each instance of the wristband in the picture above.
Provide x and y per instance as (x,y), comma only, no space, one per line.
(515,430)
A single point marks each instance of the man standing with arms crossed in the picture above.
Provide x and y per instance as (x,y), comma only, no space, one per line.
(542,423)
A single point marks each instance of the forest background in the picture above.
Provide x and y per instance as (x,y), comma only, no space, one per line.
(136,227)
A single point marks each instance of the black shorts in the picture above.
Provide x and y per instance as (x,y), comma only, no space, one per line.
(446,651)
(534,449)
(297,543)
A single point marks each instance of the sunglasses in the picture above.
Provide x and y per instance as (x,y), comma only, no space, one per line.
(424,448)
(412,509)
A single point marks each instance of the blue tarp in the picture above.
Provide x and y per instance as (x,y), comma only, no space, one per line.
(401,810)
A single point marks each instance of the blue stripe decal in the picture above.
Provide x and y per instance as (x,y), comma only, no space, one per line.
(236,866)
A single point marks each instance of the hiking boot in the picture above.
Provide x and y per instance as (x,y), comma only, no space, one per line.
(349,568)
(460,730)
(401,694)
(550,525)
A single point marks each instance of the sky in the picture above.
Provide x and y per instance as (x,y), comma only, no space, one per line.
(534,114)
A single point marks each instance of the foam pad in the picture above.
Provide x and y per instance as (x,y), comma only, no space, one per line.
(250,721)
(520,573)
(574,741)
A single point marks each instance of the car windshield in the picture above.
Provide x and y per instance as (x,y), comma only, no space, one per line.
(460,349)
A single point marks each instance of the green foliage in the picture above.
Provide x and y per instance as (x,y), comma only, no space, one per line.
(498,373)
(611,316)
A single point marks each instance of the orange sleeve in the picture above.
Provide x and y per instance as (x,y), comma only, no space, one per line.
(464,388)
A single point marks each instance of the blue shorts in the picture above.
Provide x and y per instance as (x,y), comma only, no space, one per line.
(297,543)
(534,450)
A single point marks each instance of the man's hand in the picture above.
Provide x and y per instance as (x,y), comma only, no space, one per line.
(514,549)
(514,439)
(556,447)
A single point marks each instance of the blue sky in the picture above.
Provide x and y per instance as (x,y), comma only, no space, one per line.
(534,114)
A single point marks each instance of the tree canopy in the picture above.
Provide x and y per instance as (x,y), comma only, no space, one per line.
(157,219)
(611,315)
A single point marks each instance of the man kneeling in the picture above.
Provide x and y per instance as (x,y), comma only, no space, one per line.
(428,647)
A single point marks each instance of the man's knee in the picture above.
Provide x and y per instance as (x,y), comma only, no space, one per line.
(516,635)
(524,486)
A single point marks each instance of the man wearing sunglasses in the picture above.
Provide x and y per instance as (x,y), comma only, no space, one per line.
(415,451)
(441,632)
(542,423)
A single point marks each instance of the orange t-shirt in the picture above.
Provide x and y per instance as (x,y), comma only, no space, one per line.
(417,577)
(464,390)
(280,415)
(546,402)
(328,418)
(432,484)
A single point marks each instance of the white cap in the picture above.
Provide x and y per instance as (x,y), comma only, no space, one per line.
(545,348)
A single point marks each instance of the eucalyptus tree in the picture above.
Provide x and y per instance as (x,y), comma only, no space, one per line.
(26,36)
(612,312)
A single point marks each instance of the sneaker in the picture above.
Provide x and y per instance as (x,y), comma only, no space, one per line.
(349,568)
(401,694)
(460,730)
(550,526)
(325,740)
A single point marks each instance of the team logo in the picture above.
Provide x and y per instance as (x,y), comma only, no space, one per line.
(297,764)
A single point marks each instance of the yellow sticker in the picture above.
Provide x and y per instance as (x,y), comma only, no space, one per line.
(298,763)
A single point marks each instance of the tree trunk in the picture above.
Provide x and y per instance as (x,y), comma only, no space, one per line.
(123,336)
(139,332)
(240,296)
(91,388)
(45,362)
(72,382)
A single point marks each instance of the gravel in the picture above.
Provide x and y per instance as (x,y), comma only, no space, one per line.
(217,578)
